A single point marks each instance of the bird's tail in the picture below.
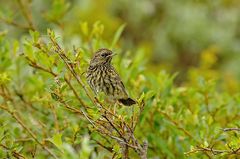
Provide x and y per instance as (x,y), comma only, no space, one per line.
(127,102)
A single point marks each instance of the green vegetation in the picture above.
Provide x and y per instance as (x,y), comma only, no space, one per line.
(179,60)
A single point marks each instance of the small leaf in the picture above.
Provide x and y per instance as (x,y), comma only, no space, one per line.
(150,94)
(117,35)
(55,96)
(84,28)
(63,87)
(205,144)
(4,78)
(141,97)
(34,35)
(57,140)
(28,50)
(50,33)
(15,47)
(116,148)
(94,114)
(97,30)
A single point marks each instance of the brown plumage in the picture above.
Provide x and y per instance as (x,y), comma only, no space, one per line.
(102,77)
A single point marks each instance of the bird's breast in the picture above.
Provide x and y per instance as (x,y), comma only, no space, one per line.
(105,79)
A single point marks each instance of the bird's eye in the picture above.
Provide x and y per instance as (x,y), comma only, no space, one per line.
(104,55)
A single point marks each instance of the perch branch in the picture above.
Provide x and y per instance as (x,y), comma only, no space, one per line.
(213,151)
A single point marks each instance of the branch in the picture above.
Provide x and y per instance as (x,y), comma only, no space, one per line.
(113,126)
(75,92)
(19,120)
(35,65)
(213,151)
(231,129)
(14,153)
(82,112)
(143,152)
(65,59)
(124,149)
(26,13)
(105,147)
(10,22)
(17,155)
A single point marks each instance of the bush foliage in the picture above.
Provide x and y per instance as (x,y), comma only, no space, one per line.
(48,111)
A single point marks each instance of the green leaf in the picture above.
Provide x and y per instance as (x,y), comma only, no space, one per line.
(150,94)
(15,47)
(141,97)
(4,78)
(51,33)
(34,35)
(57,140)
(55,96)
(84,28)
(28,50)
(117,35)
(205,144)
(47,61)
(94,114)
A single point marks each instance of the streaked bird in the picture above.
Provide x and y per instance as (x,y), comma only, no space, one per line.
(102,77)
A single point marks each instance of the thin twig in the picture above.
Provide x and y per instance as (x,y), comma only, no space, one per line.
(26,13)
(24,140)
(110,149)
(10,22)
(19,120)
(14,153)
(113,126)
(213,151)
(124,149)
(77,111)
(75,92)
(56,124)
(35,65)
(231,129)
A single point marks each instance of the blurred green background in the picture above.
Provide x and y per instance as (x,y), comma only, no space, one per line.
(176,35)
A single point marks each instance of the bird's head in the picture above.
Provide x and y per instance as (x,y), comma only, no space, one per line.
(102,57)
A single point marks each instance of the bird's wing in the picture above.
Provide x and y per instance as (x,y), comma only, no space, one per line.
(117,80)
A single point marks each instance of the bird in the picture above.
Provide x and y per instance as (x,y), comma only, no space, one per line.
(102,77)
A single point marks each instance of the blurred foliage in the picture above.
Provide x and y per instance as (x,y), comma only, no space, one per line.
(184,112)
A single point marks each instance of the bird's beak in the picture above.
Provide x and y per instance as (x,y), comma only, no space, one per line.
(113,54)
